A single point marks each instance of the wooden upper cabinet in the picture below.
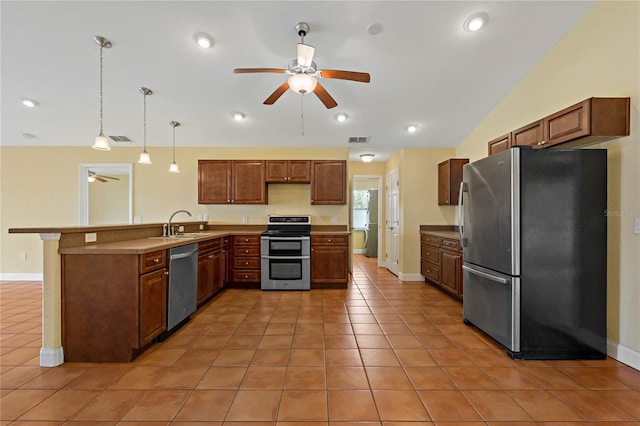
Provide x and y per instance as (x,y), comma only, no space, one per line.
(248,183)
(449,178)
(592,120)
(328,182)
(231,182)
(214,181)
(285,171)
(500,144)
(529,135)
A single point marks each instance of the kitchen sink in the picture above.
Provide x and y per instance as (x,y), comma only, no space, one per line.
(184,236)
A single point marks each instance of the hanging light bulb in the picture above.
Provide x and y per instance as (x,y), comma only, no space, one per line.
(173,168)
(145,158)
(101,143)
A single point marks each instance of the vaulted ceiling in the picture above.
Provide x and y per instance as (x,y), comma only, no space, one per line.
(425,69)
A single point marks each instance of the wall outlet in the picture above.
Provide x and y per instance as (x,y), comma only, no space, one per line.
(205,217)
(201,227)
(334,219)
(137,219)
(180,228)
(636,226)
(200,217)
(90,237)
(245,219)
(23,255)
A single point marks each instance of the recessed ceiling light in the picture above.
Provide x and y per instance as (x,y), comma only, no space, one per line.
(204,40)
(411,128)
(29,103)
(238,116)
(475,21)
(341,117)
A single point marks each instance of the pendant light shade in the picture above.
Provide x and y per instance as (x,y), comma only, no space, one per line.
(101,143)
(145,158)
(173,168)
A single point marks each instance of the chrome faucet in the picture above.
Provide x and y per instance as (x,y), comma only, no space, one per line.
(171,230)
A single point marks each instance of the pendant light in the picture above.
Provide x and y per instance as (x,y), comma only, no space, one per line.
(101,143)
(173,168)
(145,158)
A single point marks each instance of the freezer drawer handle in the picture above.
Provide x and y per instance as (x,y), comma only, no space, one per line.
(485,275)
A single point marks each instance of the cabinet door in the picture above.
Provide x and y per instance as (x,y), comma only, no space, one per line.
(218,266)
(328,182)
(529,135)
(248,182)
(153,305)
(449,178)
(449,271)
(570,123)
(500,144)
(214,181)
(205,277)
(299,171)
(329,264)
(276,171)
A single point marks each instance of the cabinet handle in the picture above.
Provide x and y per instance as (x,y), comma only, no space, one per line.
(329,240)
(166,272)
(246,240)
(246,276)
(228,201)
(156,260)
(246,251)
(246,263)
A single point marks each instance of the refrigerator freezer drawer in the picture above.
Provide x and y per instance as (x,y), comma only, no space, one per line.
(492,303)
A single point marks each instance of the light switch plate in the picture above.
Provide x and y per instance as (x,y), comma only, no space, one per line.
(636,225)
(90,237)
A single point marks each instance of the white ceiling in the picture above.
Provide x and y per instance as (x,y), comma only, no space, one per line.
(425,69)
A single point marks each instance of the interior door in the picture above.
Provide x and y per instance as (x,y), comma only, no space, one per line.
(393,222)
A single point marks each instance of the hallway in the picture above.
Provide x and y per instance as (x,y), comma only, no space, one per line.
(380,351)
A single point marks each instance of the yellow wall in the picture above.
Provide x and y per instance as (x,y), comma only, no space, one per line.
(109,201)
(599,57)
(39,187)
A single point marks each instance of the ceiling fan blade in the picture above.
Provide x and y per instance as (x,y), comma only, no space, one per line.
(100,178)
(254,70)
(324,96)
(277,93)
(362,77)
(108,177)
(305,54)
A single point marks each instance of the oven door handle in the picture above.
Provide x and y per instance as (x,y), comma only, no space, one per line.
(285,257)
(286,238)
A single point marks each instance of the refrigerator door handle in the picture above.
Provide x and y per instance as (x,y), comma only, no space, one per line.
(463,188)
(485,275)
(366,235)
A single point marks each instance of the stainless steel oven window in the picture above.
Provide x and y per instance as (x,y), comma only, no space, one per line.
(285,269)
(285,247)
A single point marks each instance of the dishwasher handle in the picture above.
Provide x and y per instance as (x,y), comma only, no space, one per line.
(183,255)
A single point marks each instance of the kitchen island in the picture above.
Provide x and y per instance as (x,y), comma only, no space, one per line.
(128,248)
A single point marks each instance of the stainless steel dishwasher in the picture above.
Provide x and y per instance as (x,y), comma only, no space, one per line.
(183,284)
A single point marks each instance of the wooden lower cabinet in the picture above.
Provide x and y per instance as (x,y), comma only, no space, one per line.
(329,260)
(211,268)
(441,263)
(113,305)
(245,260)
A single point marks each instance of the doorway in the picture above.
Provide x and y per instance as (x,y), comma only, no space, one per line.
(107,201)
(365,213)
(392,228)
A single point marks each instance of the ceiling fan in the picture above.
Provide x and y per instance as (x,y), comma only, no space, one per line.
(303,72)
(96,177)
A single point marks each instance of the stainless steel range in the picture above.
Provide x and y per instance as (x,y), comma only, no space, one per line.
(285,249)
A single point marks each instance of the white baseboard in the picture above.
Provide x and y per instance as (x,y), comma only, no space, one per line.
(359,251)
(51,357)
(20,277)
(410,277)
(624,354)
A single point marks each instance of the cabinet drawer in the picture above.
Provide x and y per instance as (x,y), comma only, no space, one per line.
(246,240)
(246,251)
(431,271)
(326,240)
(246,276)
(152,261)
(431,254)
(431,240)
(451,245)
(246,263)
(209,245)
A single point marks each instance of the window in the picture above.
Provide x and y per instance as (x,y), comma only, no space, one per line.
(360,203)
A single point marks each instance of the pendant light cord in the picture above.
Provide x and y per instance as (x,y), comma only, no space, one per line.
(145,123)
(174,143)
(101,132)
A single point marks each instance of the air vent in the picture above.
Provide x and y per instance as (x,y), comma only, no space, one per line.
(120,138)
(358,139)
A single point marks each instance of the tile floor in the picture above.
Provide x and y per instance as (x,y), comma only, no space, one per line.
(382,351)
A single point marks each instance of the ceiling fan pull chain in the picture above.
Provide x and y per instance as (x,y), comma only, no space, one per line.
(302,113)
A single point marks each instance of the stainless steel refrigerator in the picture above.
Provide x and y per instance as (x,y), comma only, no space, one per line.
(371,224)
(534,235)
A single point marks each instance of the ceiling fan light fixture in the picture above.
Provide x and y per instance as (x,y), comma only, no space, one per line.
(475,21)
(302,83)
(91,178)
(367,158)
(204,40)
